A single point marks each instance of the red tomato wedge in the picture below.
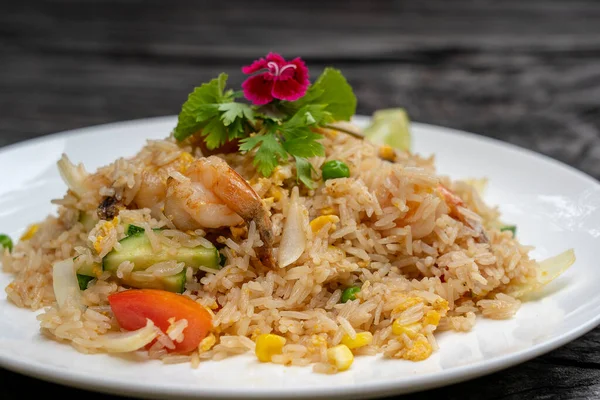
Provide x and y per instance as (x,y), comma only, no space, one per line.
(133,307)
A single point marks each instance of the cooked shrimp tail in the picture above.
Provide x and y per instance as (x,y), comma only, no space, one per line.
(239,196)
(214,195)
(455,203)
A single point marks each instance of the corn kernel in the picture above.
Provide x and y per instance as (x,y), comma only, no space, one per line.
(361,339)
(340,356)
(420,350)
(30,232)
(318,223)
(387,153)
(411,330)
(207,343)
(432,318)
(268,345)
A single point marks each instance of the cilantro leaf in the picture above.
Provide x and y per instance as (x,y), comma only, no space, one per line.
(186,126)
(236,129)
(332,89)
(268,154)
(300,140)
(287,129)
(201,105)
(235,110)
(306,146)
(205,112)
(214,133)
(249,143)
(304,171)
(233,116)
(307,116)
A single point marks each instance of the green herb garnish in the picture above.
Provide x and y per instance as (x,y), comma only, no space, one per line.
(6,242)
(279,132)
(512,228)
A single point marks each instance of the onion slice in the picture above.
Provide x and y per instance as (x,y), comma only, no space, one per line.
(125,342)
(73,175)
(550,269)
(293,238)
(64,283)
(554,266)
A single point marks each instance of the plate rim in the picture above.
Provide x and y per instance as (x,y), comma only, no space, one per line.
(421,382)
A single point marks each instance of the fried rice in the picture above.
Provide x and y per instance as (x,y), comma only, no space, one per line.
(426,252)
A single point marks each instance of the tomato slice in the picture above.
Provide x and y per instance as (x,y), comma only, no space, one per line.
(132,307)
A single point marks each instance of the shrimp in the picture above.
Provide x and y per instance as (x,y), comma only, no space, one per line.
(153,187)
(151,193)
(213,195)
(455,203)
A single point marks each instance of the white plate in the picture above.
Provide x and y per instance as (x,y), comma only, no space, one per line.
(554,206)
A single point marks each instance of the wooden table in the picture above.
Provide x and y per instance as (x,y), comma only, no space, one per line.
(526,72)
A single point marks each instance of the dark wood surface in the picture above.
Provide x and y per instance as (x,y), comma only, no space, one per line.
(526,72)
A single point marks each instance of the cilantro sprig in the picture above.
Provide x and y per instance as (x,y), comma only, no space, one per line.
(278,133)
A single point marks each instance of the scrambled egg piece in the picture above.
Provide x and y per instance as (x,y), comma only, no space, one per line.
(419,347)
(419,351)
(406,304)
(276,193)
(327,211)
(318,223)
(410,330)
(30,232)
(185,159)
(432,318)
(207,343)
(103,232)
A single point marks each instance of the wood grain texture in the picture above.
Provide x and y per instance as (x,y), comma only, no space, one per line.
(525,72)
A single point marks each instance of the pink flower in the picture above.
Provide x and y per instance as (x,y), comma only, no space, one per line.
(276,79)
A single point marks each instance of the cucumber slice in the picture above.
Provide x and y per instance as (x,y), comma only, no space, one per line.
(133,229)
(94,269)
(88,220)
(173,283)
(137,249)
(83,281)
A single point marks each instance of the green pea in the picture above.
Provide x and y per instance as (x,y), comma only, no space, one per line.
(335,169)
(511,228)
(350,293)
(6,242)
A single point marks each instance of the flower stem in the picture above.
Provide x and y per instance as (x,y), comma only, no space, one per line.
(349,132)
